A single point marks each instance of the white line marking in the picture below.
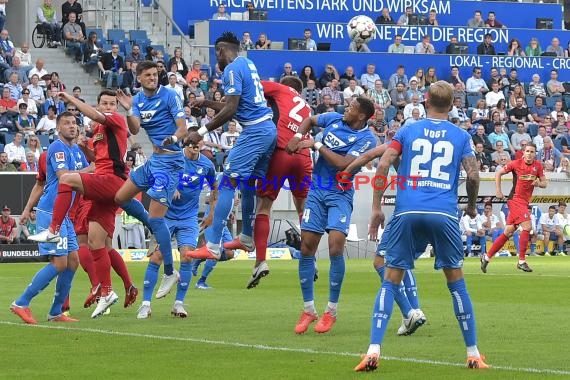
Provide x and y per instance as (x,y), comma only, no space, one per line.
(277,348)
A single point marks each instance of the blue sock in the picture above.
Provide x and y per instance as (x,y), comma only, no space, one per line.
(195,265)
(532,247)
(42,279)
(469,242)
(136,209)
(185,277)
(411,289)
(483,243)
(336,276)
(150,280)
(400,296)
(162,236)
(208,268)
(62,288)
(247,209)
(560,247)
(463,311)
(222,212)
(382,311)
(306,276)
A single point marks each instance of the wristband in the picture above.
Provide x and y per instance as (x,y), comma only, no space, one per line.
(317,146)
(202,131)
(298,135)
(174,139)
(130,112)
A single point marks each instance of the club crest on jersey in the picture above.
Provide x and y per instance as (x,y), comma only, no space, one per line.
(200,171)
(140,105)
(335,125)
(98,137)
(333,141)
(351,138)
(59,156)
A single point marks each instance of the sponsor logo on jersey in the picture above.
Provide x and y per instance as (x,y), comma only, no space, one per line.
(146,116)
(528,177)
(59,156)
(61,166)
(98,137)
(231,90)
(332,141)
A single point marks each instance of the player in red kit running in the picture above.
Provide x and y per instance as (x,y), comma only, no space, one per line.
(291,109)
(109,148)
(527,173)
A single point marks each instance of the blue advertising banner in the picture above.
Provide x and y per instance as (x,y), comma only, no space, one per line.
(270,63)
(336,34)
(450,12)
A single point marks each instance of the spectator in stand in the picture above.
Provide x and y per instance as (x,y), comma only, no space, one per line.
(564,140)
(150,54)
(450,49)
(140,156)
(493,96)
(491,223)
(76,91)
(25,56)
(326,105)
(17,68)
(378,125)
(473,230)
(55,83)
(7,49)
(552,231)
(533,48)
(228,139)
(47,124)
(31,164)
(330,74)
(288,70)
(514,81)
(455,77)
(47,16)
(385,18)
(494,77)
(54,100)
(212,139)
(310,44)
(398,77)
(379,96)
(14,87)
(29,228)
(519,153)
(432,18)
(538,140)
(414,105)
(481,138)
(502,110)
(74,37)
(397,121)
(555,47)
(15,150)
(263,43)
(404,19)
(334,91)
(425,47)
(6,166)
(358,47)
(520,113)
(516,93)
(549,156)
(72,6)
(136,56)
(246,42)
(25,122)
(8,228)
(311,94)
(476,84)
(195,72)
(536,87)
(421,79)
(559,110)
(457,111)
(514,49)
(476,21)
(112,66)
(500,136)
(191,120)
(414,90)
(554,86)
(539,111)
(368,79)
(480,114)
(486,47)
(353,89)
(492,22)
(500,156)
(399,96)
(32,106)
(2,13)
(221,14)
(34,147)
(179,78)
(307,73)
(431,78)
(195,89)
(415,117)
(177,59)
(564,166)
(40,71)
(519,136)
(397,46)
(7,104)
(174,86)
(346,77)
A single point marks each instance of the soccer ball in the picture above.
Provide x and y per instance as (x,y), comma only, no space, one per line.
(361,29)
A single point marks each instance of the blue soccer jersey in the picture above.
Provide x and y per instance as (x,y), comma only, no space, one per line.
(158,114)
(432,151)
(241,78)
(341,139)
(80,158)
(197,173)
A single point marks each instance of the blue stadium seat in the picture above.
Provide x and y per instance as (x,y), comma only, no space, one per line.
(127,49)
(99,32)
(205,67)
(159,48)
(139,36)
(551,100)
(472,100)
(106,47)
(529,100)
(9,137)
(44,141)
(1,147)
(389,113)
(533,130)
(116,36)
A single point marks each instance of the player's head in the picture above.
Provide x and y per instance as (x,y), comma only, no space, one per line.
(529,153)
(440,97)
(358,112)
(551,211)
(66,126)
(227,46)
(193,150)
(107,101)
(293,82)
(147,75)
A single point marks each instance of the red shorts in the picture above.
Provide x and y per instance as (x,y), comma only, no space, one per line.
(296,168)
(100,190)
(518,213)
(78,215)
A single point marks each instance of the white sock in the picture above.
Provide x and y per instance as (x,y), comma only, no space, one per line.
(522,261)
(373,349)
(485,257)
(146,303)
(178,303)
(331,308)
(309,307)
(214,248)
(473,351)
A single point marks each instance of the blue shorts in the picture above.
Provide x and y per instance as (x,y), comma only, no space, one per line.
(186,231)
(252,151)
(226,235)
(553,236)
(68,241)
(409,232)
(326,210)
(381,249)
(159,176)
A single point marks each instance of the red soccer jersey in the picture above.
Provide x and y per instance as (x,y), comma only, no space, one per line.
(110,145)
(525,176)
(292,110)
(7,226)
(42,167)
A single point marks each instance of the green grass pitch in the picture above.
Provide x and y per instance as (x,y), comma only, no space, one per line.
(234,333)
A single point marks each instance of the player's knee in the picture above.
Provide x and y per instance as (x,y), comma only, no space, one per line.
(156,258)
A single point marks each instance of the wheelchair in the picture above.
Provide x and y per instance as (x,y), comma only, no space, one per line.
(40,36)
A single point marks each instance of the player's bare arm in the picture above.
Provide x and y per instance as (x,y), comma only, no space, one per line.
(366,158)
(472,184)
(541,182)
(207,221)
(389,156)
(225,114)
(84,108)
(498,174)
(179,135)
(306,125)
(33,200)
(338,161)
(199,103)
(126,101)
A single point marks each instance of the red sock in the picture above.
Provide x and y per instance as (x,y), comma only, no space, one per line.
(65,307)
(61,206)
(103,268)
(498,244)
(260,236)
(86,262)
(120,267)
(523,243)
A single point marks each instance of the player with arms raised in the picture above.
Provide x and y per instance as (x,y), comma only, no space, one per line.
(527,173)
(433,149)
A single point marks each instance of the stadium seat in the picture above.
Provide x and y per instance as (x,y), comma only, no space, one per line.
(533,130)
(159,48)
(1,147)
(106,47)
(529,100)
(99,32)
(44,141)
(127,49)
(116,36)
(140,37)
(551,100)
(205,67)
(9,137)
(472,100)
(389,113)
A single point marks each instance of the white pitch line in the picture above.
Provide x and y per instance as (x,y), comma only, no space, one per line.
(263,347)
